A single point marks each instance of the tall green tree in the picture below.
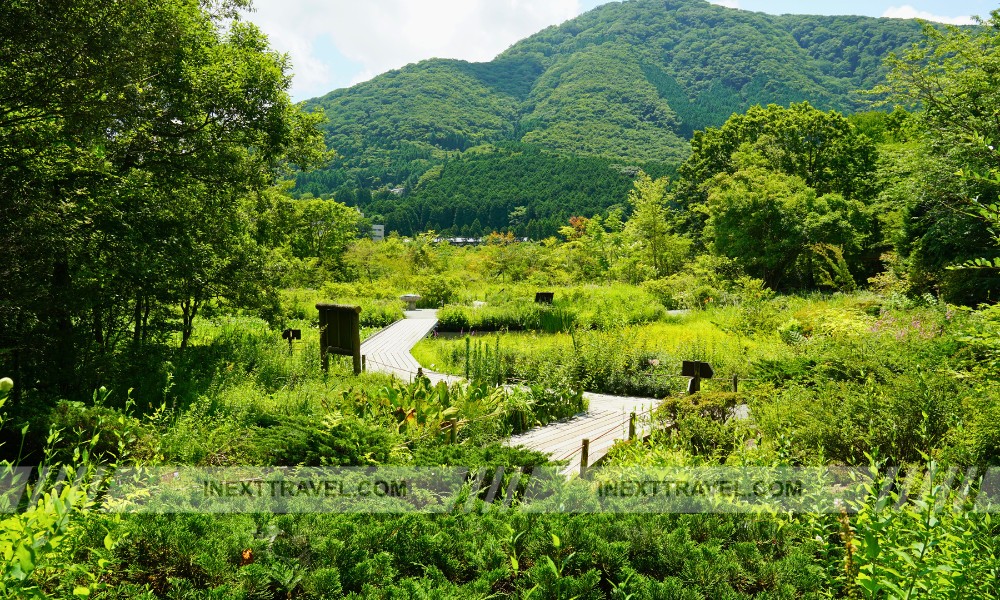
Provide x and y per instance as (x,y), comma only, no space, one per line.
(648,229)
(777,228)
(822,148)
(952,76)
(135,141)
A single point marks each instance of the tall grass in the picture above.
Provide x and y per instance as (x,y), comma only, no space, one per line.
(634,360)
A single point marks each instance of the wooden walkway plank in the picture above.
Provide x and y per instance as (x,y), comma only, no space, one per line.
(605,421)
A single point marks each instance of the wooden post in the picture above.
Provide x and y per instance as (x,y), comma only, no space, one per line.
(584,457)
(631,426)
(468,345)
(736,383)
(694,386)
(364,365)
(453,432)
(356,340)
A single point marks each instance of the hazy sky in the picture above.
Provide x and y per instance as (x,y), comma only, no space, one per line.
(337,43)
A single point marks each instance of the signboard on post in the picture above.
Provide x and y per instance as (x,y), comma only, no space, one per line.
(339,333)
(291,334)
(694,368)
(697,371)
(544,297)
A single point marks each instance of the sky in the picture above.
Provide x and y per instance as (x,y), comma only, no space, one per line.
(338,43)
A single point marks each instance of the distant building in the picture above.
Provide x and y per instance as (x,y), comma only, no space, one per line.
(398,191)
(378,232)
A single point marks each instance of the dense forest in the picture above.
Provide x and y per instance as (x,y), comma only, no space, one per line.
(628,81)
(511,186)
(160,284)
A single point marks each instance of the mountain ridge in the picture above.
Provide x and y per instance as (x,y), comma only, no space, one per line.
(629,82)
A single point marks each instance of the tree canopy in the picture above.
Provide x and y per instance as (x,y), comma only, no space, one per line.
(135,141)
(952,218)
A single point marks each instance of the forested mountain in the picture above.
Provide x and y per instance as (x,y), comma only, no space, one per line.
(628,81)
(532,192)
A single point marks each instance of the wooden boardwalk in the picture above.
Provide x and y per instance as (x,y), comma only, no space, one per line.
(606,420)
(388,351)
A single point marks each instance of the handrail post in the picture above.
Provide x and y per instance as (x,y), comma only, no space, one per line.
(584,457)
(631,426)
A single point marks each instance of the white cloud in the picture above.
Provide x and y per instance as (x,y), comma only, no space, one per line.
(908,12)
(727,3)
(380,35)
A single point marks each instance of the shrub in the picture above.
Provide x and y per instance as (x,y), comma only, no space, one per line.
(698,424)
(111,434)
(380,314)
(437,290)
(792,332)
(300,440)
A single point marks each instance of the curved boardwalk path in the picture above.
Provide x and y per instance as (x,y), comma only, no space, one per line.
(607,419)
(388,351)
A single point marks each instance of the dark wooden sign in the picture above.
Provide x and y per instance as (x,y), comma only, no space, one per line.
(694,368)
(291,334)
(544,297)
(697,371)
(339,333)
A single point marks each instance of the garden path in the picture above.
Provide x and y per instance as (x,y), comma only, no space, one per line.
(606,421)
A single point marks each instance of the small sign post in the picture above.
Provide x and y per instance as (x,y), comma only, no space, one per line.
(697,371)
(291,334)
(339,333)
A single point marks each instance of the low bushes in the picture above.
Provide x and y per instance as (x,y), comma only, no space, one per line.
(514,316)
(583,307)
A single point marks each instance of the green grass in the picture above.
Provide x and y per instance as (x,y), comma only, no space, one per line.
(637,359)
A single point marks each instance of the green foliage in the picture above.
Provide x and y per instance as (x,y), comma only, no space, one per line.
(135,184)
(924,542)
(697,424)
(585,307)
(116,435)
(823,149)
(597,101)
(956,171)
(755,312)
(475,193)
(523,315)
(132,208)
(36,537)
(647,226)
(768,223)
(337,441)
(311,237)
(482,412)
(437,290)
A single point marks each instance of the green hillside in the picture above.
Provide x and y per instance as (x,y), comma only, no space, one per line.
(629,82)
(482,190)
